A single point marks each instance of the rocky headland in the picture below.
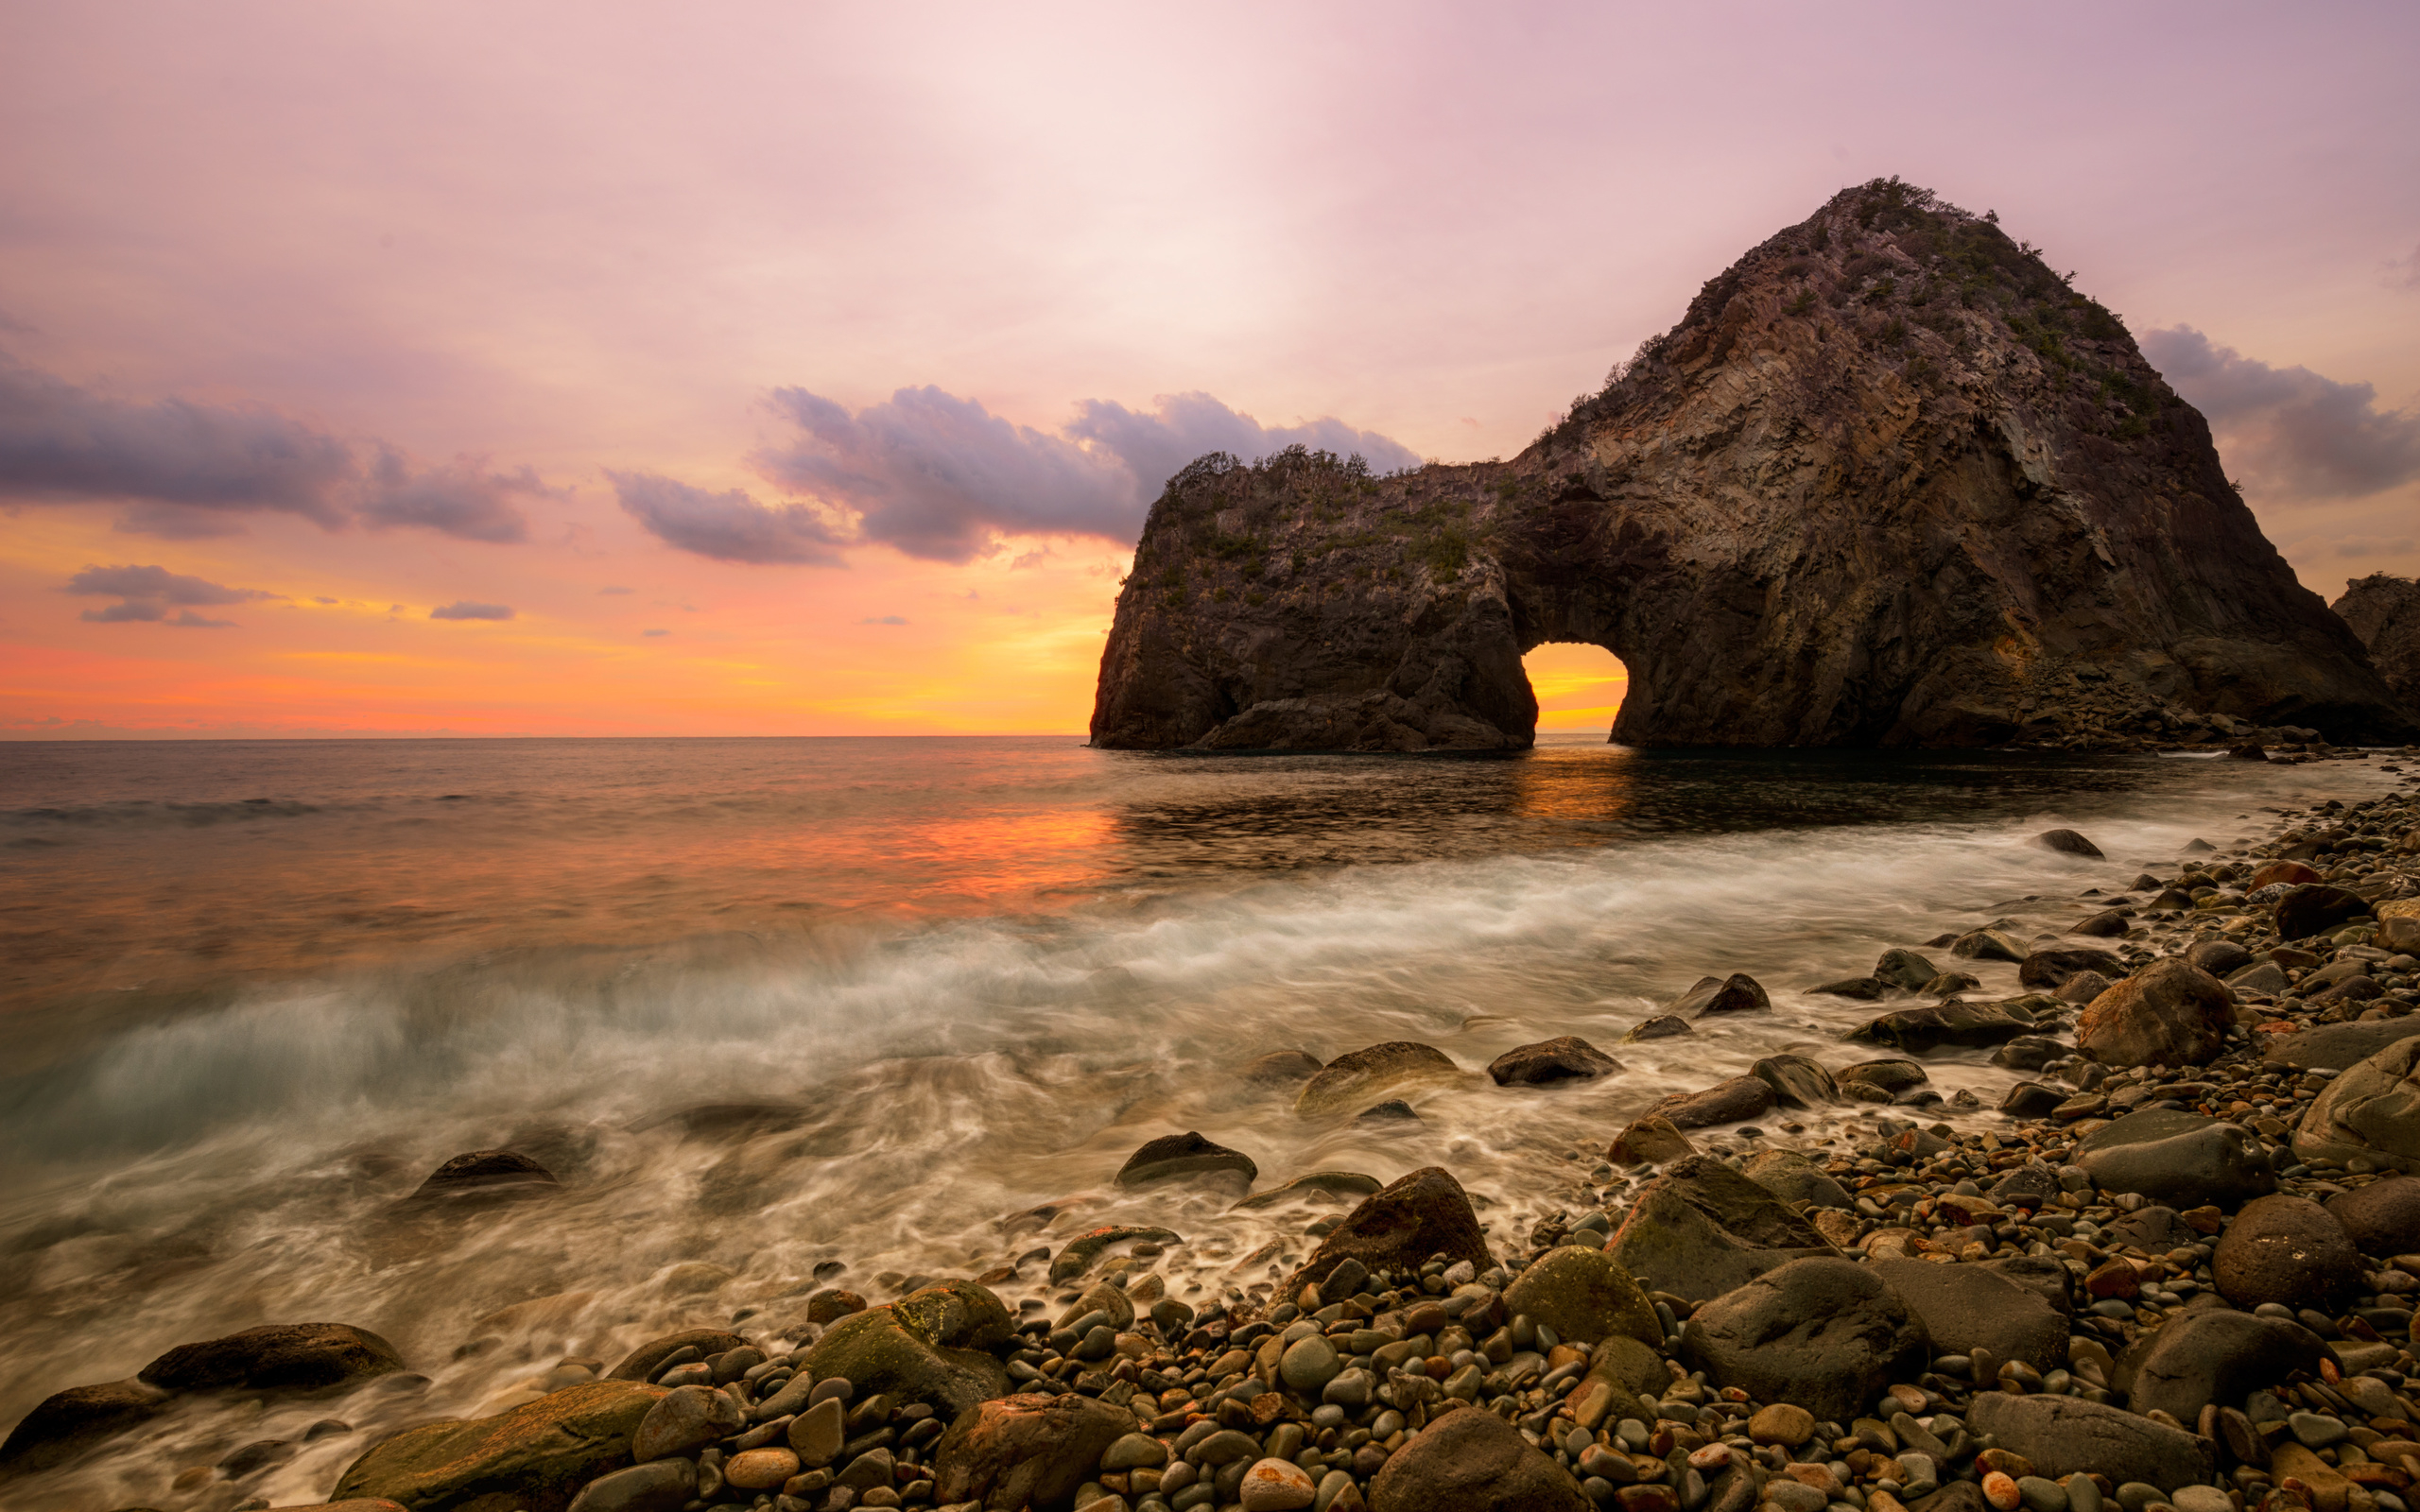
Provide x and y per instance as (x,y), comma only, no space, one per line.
(2384,610)
(1892,481)
(2176,1269)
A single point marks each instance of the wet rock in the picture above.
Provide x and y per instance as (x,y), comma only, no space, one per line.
(2260,979)
(1308,1365)
(1397,1229)
(2369,1111)
(539,1454)
(1826,1334)
(2047,971)
(759,1469)
(1026,1450)
(2218,956)
(665,1485)
(2029,1052)
(2215,1356)
(2286,1249)
(2169,1013)
(1949,983)
(1394,1111)
(1955,1023)
(1663,1026)
(1905,969)
(2382,1218)
(2314,908)
(2108,924)
(1343,1183)
(1287,1068)
(1736,993)
(2063,1436)
(1473,1461)
(1352,1080)
(1275,1485)
(685,1422)
(1796,1081)
(1726,1102)
(1565,1058)
(280,1357)
(2248,751)
(1987,945)
(1702,1228)
(1078,1254)
(2067,842)
(644,1362)
(1184,1156)
(485,1169)
(817,1435)
(1793,1177)
(1586,1296)
(2030,1185)
(1857,988)
(2081,987)
(2155,1230)
(1650,1142)
(2286,873)
(2180,1158)
(1965,1308)
(2339,1046)
(65,1424)
(930,1347)
(1888,1076)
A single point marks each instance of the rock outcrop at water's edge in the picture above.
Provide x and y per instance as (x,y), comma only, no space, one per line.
(1890,482)
(2385,612)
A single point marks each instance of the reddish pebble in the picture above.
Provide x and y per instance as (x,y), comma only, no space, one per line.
(1999,1489)
(760,1470)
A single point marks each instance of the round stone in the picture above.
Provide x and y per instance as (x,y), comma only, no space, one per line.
(1783,1424)
(2201,1498)
(1999,1489)
(760,1470)
(1276,1485)
(1135,1452)
(1308,1365)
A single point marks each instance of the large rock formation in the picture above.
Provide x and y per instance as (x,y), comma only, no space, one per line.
(1890,482)
(2385,612)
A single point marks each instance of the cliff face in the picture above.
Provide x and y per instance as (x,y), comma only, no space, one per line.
(1890,482)
(2385,612)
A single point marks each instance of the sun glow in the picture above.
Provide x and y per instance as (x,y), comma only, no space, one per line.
(1578,687)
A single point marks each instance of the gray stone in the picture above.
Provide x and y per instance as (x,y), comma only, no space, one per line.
(2382,1218)
(1793,1177)
(1726,1102)
(1470,1460)
(1796,1081)
(2372,1112)
(2215,1356)
(1700,1230)
(2063,1436)
(816,1435)
(1586,1296)
(1826,1334)
(665,1485)
(2339,1046)
(1904,970)
(1309,1365)
(2180,1158)
(2288,1250)
(1965,1308)
(685,1422)
(1954,1023)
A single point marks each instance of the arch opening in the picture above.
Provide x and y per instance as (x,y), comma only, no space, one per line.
(1579,685)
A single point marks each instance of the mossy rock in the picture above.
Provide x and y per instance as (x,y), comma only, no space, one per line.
(1584,1297)
(930,1347)
(534,1458)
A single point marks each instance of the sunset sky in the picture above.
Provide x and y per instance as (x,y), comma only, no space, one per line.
(763,369)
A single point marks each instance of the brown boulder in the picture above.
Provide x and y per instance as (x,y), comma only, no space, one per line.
(1026,1450)
(1399,1227)
(2293,873)
(2048,971)
(1725,1102)
(1469,1460)
(1174,1156)
(2314,909)
(2067,842)
(1651,1141)
(280,1356)
(2382,1218)
(534,1458)
(1567,1057)
(1736,993)
(2286,1249)
(1700,1230)
(1355,1079)
(66,1423)
(644,1362)
(2169,1013)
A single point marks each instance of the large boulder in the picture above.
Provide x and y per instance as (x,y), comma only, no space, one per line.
(1904,970)
(2293,873)
(1567,1057)
(1888,1076)
(2339,1046)
(1796,1081)
(1725,1102)
(1399,1227)
(2180,1158)
(1824,1333)
(1584,1297)
(1700,1230)
(2067,842)
(1026,1450)
(2215,1355)
(1182,1156)
(535,1457)
(1736,993)
(280,1356)
(2048,971)
(1793,1177)
(1965,1308)
(1357,1078)
(644,1362)
(65,1424)
(2314,908)
(1649,1141)
(2286,1249)
(1469,1460)
(2382,1218)
(2169,1013)
(2218,956)
(2371,1111)
(1954,1023)
(933,1345)
(2063,1436)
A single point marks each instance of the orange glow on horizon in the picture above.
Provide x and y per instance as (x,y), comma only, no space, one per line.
(1578,687)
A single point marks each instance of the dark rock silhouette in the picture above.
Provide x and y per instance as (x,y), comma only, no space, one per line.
(2385,612)
(1890,482)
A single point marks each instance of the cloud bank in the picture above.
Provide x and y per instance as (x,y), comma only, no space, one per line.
(182,469)
(728,526)
(943,479)
(465,608)
(146,595)
(2289,430)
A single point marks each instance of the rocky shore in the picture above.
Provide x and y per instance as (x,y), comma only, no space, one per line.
(2174,1269)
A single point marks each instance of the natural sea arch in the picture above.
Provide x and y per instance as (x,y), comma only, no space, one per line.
(1579,687)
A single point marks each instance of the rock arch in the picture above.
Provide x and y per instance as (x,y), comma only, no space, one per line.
(1890,482)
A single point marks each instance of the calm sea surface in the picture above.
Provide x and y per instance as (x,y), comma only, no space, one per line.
(254,991)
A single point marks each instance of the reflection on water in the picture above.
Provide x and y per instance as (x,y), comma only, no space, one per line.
(955,981)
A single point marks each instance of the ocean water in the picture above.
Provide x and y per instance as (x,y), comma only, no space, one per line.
(902,1005)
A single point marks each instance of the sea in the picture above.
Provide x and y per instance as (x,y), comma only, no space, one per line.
(782,1015)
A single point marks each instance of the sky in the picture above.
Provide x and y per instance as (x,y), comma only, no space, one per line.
(771,369)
